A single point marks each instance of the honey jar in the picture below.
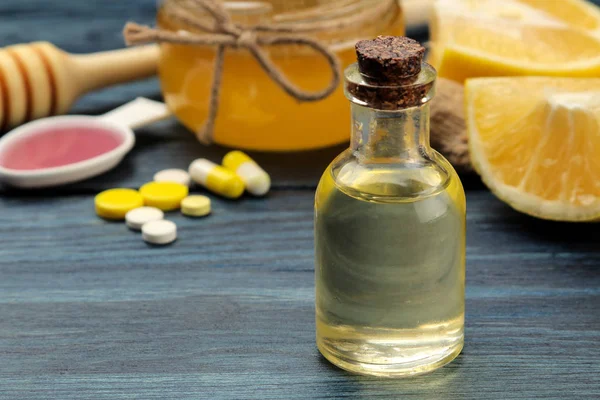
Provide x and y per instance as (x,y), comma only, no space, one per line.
(254,112)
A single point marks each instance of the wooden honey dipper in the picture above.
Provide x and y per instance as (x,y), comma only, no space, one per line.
(39,80)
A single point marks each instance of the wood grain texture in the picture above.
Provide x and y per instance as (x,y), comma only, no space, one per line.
(89,311)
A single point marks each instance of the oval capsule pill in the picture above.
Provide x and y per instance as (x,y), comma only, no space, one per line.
(159,232)
(173,175)
(116,203)
(217,179)
(137,217)
(256,179)
(195,206)
(166,196)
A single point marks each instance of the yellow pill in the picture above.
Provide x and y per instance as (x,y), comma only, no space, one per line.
(216,178)
(166,196)
(255,178)
(115,203)
(195,206)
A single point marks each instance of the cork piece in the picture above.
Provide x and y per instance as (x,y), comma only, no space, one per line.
(389,60)
(392,74)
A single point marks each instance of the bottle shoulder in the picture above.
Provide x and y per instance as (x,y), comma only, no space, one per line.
(394,181)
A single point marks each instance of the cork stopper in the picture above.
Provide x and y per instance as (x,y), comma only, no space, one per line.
(390,74)
(389,60)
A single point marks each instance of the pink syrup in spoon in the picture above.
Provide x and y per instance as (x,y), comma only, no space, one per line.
(58,146)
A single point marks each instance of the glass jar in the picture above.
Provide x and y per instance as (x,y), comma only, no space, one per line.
(390,240)
(254,112)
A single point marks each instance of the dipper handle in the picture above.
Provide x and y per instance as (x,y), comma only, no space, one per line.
(38,80)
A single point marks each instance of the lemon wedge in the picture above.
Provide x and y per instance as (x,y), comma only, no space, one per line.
(481,38)
(535,141)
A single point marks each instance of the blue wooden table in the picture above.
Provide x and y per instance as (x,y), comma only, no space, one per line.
(88,311)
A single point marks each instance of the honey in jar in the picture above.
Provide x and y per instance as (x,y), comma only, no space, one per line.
(254,112)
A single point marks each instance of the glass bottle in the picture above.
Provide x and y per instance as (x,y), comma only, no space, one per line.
(390,238)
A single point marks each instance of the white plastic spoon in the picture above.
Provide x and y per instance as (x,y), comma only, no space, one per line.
(59,150)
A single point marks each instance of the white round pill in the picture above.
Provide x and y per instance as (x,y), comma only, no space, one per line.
(159,232)
(137,217)
(173,175)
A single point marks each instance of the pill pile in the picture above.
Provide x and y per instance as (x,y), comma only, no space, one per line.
(216,178)
(173,175)
(256,180)
(195,206)
(137,217)
(115,203)
(159,232)
(144,210)
(166,196)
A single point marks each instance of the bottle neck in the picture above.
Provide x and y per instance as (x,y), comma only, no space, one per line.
(399,136)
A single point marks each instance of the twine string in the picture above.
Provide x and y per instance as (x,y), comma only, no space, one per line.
(223,33)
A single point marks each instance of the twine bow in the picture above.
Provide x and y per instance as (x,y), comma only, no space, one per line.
(222,32)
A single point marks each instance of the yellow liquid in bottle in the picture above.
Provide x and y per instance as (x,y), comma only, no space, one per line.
(255,113)
(390,268)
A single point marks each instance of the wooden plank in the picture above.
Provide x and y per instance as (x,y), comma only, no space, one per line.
(89,311)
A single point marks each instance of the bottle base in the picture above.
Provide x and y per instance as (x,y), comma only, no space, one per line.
(388,359)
